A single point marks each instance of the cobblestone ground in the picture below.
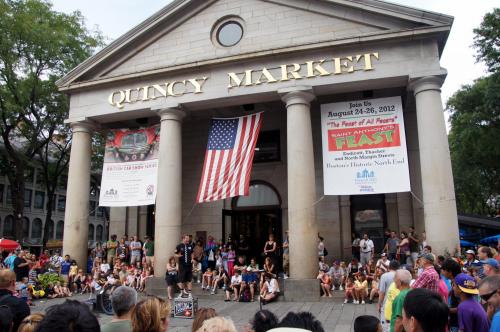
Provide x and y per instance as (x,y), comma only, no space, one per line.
(334,315)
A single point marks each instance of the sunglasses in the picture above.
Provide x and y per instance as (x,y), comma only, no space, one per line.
(486,297)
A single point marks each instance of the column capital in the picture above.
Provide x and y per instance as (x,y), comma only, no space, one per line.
(83,127)
(426,83)
(175,114)
(297,95)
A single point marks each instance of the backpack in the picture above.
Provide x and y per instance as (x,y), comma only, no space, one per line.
(325,252)
(245,295)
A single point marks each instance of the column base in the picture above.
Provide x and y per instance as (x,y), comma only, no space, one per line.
(156,286)
(301,290)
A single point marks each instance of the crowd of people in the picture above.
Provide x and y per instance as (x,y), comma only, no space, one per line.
(468,286)
(415,289)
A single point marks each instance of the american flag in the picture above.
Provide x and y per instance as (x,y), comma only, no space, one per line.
(229,156)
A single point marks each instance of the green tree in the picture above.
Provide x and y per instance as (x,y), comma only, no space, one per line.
(487,40)
(475,126)
(37,47)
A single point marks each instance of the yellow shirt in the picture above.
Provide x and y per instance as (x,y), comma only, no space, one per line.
(391,294)
(360,285)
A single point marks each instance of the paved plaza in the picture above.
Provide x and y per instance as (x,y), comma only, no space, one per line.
(334,315)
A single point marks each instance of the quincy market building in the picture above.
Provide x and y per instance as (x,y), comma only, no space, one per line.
(195,60)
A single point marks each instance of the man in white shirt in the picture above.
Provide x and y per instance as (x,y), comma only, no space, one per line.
(367,249)
(135,251)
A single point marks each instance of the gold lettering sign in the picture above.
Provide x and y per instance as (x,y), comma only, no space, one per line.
(250,77)
(309,69)
(161,90)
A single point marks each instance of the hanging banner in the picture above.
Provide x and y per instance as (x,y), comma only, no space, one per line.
(364,147)
(130,169)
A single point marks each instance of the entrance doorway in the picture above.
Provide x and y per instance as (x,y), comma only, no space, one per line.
(368,216)
(254,217)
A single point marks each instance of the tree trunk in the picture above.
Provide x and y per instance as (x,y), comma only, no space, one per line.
(17,193)
(48,217)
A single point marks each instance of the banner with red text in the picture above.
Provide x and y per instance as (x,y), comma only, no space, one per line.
(130,169)
(364,147)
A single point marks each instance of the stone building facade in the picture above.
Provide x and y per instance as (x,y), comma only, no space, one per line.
(194,60)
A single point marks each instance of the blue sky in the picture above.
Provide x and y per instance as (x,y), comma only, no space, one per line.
(115,17)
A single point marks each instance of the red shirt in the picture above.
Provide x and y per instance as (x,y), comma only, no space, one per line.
(428,279)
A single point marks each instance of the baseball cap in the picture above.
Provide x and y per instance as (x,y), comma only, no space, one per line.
(383,254)
(249,269)
(428,256)
(491,262)
(466,283)
(470,251)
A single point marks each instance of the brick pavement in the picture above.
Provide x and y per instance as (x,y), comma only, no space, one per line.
(334,315)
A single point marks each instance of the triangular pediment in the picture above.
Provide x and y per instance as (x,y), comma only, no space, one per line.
(182,34)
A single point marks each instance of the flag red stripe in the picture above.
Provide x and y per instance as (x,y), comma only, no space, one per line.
(203,178)
(243,154)
(250,159)
(238,157)
(209,174)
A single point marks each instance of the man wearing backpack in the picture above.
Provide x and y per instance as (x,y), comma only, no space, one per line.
(18,307)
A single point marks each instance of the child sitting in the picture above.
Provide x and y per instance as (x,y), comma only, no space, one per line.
(73,270)
(360,289)
(146,274)
(349,289)
(207,279)
(87,284)
(325,282)
(196,272)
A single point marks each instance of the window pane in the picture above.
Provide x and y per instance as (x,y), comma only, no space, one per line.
(9,196)
(268,147)
(36,229)
(99,230)
(260,195)
(61,203)
(26,227)
(91,232)
(28,175)
(60,230)
(39,199)
(8,226)
(100,211)
(27,197)
(39,178)
(50,229)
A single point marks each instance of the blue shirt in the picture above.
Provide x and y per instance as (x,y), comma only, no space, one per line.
(9,261)
(65,265)
(249,277)
(495,322)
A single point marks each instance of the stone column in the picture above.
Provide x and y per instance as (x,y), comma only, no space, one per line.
(391,208)
(440,211)
(303,231)
(169,196)
(76,218)
(346,226)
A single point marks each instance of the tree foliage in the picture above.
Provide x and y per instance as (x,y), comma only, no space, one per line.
(37,47)
(475,127)
(487,40)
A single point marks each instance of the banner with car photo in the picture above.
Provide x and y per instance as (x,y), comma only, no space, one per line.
(130,169)
(364,147)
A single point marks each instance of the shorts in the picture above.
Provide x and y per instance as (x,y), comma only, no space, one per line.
(185,273)
(135,258)
(171,279)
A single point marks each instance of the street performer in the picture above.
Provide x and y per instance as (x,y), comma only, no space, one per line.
(184,252)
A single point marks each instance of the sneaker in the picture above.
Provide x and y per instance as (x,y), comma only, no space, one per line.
(212,292)
(341,288)
(345,301)
(285,276)
(363,302)
(190,296)
(356,302)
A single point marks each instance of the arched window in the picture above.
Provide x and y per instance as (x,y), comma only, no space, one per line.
(36,229)
(50,229)
(26,227)
(60,230)
(260,194)
(91,232)
(98,233)
(8,226)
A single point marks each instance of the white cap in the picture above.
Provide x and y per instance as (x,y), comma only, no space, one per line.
(470,251)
